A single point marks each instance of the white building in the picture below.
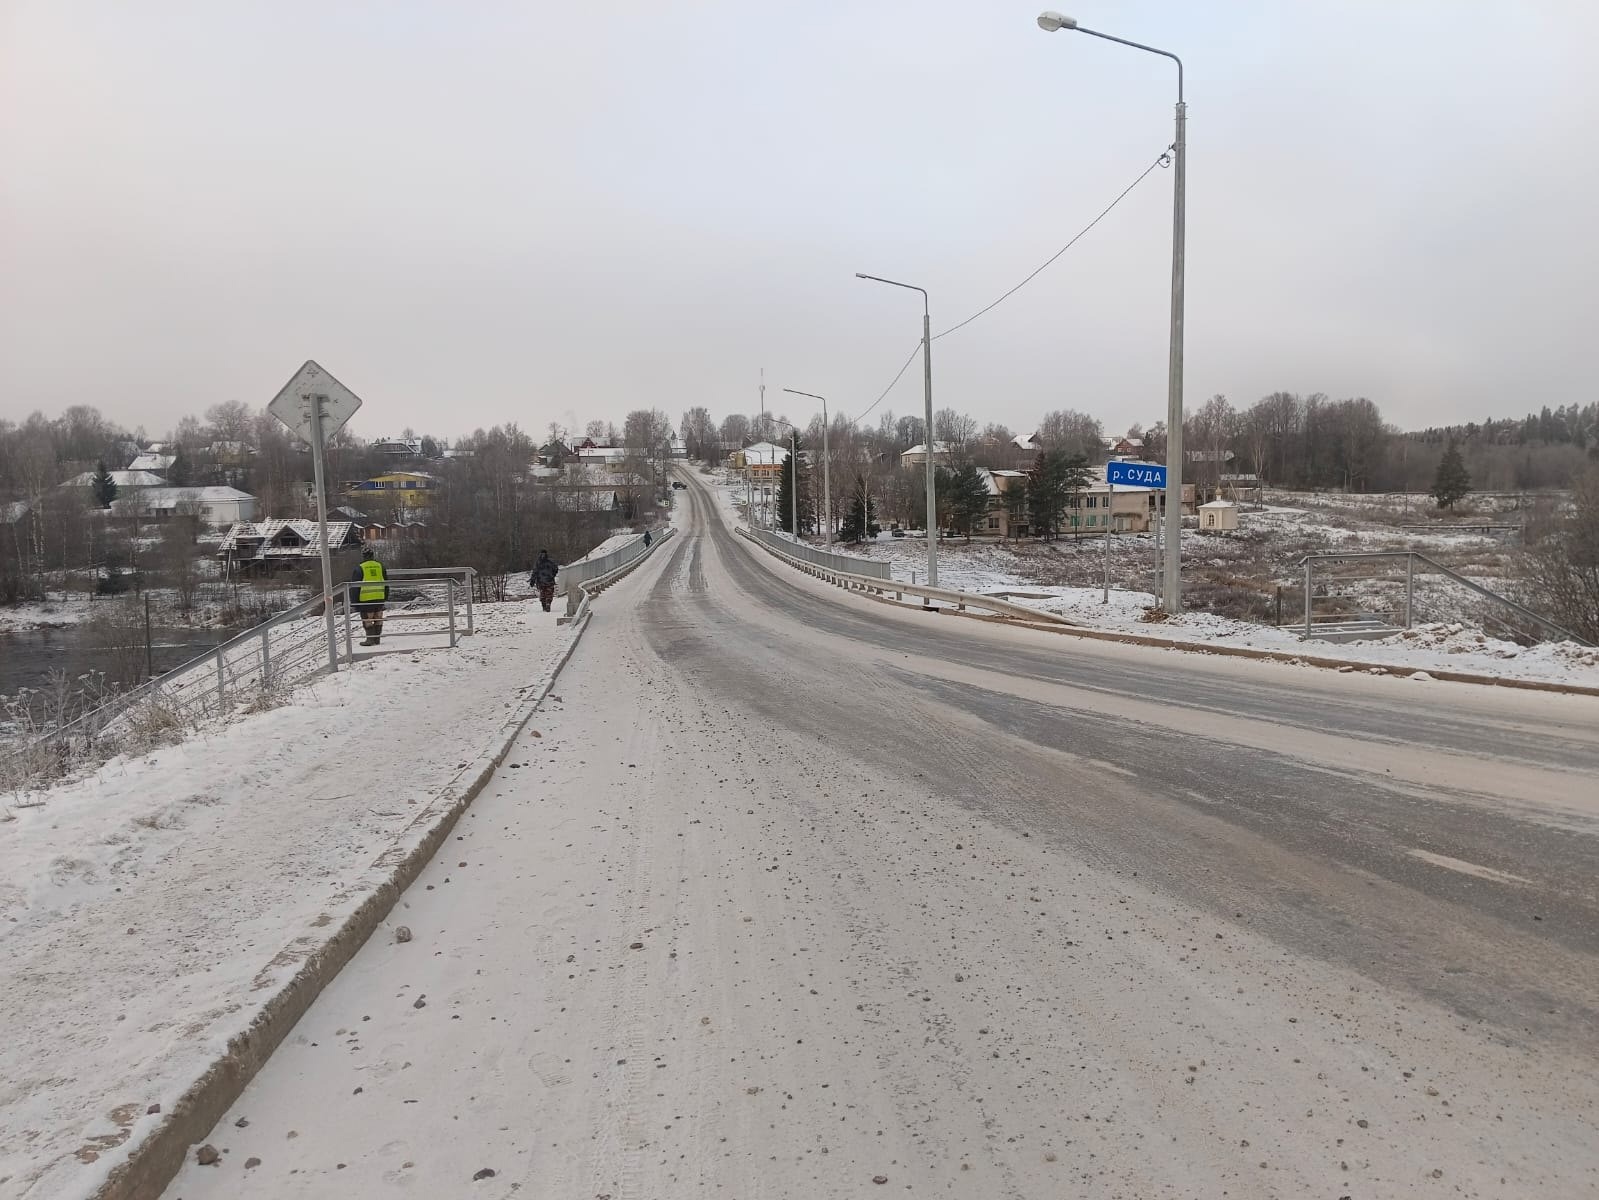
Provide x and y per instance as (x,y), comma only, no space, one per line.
(916,456)
(1217,516)
(212,505)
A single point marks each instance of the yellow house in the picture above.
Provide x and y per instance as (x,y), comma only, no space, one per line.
(410,489)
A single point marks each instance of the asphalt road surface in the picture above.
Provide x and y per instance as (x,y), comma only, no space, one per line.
(794,893)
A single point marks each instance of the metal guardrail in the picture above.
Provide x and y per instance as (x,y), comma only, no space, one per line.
(1411,558)
(574,575)
(867,567)
(282,651)
(881,586)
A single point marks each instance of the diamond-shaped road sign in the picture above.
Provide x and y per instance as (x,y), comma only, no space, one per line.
(292,405)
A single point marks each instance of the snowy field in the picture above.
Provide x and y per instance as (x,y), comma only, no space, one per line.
(142,907)
(1241,571)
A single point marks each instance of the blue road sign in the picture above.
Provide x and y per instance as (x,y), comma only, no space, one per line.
(1135,474)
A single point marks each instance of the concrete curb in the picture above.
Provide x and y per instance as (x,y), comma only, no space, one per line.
(869,589)
(155,1160)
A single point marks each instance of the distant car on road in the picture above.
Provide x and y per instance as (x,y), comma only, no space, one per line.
(897,531)
(679,485)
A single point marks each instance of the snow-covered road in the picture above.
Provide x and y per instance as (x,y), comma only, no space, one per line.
(796,895)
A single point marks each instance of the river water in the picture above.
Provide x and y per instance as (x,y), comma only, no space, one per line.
(31,658)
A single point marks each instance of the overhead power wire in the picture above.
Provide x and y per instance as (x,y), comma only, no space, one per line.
(1162,160)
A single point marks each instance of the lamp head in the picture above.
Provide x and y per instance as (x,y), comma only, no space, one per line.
(1050,22)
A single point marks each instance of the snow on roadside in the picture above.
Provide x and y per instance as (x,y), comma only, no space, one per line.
(985,568)
(142,906)
(1432,647)
(993,568)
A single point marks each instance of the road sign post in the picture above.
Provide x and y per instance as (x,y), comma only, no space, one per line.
(315,406)
(1110,500)
(1143,475)
(319,473)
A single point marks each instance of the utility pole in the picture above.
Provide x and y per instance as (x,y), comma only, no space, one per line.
(927,432)
(827,474)
(1052,22)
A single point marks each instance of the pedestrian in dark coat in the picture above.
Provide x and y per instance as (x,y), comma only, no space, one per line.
(543,578)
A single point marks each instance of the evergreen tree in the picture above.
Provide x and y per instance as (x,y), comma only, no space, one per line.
(178,472)
(1055,478)
(968,500)
(944,490)
(1046,498)
(785,493)
(105,488)
(1015,498)
(1453,481)
(860,518)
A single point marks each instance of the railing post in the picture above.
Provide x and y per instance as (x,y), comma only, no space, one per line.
(1307,599)
(469,590)
(266,656)
(349,639)
(222,687)
(449,590)
(1410,589)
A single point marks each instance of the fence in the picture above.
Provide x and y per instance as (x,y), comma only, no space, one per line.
(880,586)
(1524,618)
(845,563)
(282,651)
(574,575)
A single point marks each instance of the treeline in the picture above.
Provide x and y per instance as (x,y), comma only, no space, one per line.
(1288,440)
(1313,441)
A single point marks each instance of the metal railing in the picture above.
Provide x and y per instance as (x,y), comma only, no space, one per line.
(848,563)
(881,586)
(277,654)
(1412,559)
(574,575)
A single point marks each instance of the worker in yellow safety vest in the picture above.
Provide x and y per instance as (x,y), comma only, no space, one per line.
(369,597)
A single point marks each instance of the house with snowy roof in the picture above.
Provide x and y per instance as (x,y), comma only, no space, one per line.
(257,547)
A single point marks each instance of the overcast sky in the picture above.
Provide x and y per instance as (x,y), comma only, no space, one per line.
(481,212)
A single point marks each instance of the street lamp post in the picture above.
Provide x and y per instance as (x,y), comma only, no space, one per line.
(793,476)
(827,474)
(1171,591)
(927,431)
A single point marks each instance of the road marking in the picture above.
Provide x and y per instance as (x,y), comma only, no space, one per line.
(1466,868)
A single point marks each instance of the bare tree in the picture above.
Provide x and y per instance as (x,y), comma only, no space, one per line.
(955,429)
(698,432)
(230,421)
(1072,433)
(735,429)
(1561,567)
(176,557)
(909,431)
